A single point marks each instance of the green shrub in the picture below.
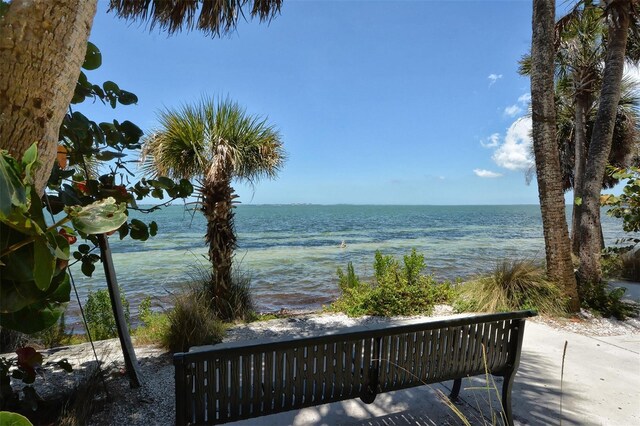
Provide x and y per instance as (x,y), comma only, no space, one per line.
(154,326)
(191,322)
(607,302)
(611,264)
(99,314)
(397,289)
(513,285)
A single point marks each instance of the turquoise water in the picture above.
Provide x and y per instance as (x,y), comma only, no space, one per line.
(292,251)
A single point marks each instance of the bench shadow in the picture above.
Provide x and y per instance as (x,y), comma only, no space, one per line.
(535,401)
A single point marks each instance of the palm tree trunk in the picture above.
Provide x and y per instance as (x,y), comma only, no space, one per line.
(42,47)
(582,105)
(556,234)
(600,146)
(217,206)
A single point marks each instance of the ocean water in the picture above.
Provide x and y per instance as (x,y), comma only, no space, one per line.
(291,252)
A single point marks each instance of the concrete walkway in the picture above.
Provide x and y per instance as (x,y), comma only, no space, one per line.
(601,387)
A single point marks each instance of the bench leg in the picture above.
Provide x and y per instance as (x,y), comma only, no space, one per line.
(507,384)
(455,390)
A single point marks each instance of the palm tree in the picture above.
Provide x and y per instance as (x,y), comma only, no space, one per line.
(556,234)
(215,142)
(620,15)
(581,50)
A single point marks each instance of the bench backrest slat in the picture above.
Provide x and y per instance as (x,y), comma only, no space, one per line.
(230,382)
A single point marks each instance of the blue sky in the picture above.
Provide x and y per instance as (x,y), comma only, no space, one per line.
(378,102)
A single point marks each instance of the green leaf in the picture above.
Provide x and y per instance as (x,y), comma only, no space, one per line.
(93,57)
(31,319)
(12,191)
(578,201)
(109,155)
(127,98)
(44,264)
(139,230)
(13,419)
(110,87)
(98,218)
(157,193)
(29,159)
(84,248)
(153,228)
(87,267)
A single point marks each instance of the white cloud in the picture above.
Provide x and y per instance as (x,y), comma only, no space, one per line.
(493,78)
(492,141)
(515,152)
(525,98)
(512,111)
(486,173)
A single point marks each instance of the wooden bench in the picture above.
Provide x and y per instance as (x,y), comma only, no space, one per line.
(240,380)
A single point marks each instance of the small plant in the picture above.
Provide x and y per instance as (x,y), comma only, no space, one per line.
(191,322)
(102,324)
(154,327)
(398,289)
(513,285)
(25,368)
(611,263)
(607,302)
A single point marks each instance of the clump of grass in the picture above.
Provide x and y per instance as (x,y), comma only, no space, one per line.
(397,289)
(513,285)
(238,304)
(191,323)
(81,404)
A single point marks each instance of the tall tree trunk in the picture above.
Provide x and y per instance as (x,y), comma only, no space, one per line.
(42,47)
(556,234)
(601,138)
(580,157)
(217,206)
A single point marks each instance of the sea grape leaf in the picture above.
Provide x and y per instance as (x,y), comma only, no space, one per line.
(127,98)
(87,267)
(43,313)
(153,228)
(99,217)
(29,159)
(44,264)
(139,230)
(12,191)
(93,57)
(33,318)
(13,419)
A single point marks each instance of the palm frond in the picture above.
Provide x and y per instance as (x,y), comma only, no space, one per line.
(213,138)
(214,17)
